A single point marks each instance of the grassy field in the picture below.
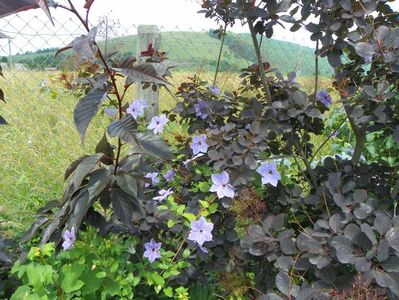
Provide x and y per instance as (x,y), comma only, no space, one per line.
(192,49)
(41,141)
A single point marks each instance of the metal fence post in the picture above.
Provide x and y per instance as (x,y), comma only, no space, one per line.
(146,35)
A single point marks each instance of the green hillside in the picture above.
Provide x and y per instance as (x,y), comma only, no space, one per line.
(194,51)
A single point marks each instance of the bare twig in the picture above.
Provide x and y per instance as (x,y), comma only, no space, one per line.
(220,54)
(260,60)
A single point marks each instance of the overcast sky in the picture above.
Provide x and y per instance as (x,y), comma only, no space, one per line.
(168,14)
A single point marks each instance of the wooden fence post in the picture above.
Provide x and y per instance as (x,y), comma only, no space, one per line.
(146,35)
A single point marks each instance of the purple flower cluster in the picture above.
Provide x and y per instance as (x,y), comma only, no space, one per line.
(169,175)
(199,144)
(154,178)
(201,109)
(136,108)
(221,185)
(163,194)
(324,97)
(69,238)
(214,89)
(152,250)
(269,173)
(157,123)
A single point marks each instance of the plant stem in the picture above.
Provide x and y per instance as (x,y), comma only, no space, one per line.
(309,169)
(220,54)
(107,68)
(316,75)
(260,60)
(327,139)
(360,135)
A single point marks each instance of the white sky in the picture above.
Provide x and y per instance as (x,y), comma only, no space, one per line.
(168,14)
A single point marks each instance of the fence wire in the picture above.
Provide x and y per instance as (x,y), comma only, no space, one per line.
(41,140)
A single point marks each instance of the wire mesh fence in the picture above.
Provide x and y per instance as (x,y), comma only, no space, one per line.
(41,140)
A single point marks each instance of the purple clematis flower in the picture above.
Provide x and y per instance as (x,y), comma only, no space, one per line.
(324,97)
(163,194)
(199,144)
(269,173)
(152,250)
(136,108)
(214,90)
(221,185)
(154,178)
(170,175)
(69,238)
(201,109)
(200,232)
(157,123)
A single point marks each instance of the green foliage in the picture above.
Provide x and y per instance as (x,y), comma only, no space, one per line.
(95,268)
(282,220)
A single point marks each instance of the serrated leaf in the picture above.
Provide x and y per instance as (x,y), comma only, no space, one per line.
(2,95)
(141,73)
(86,109)
(44,5)
(163,67)
(125,129)
(154,145)
(3,121)
(105,147)
(84,167)
(99,180)
(38,223)
(127,183)
(124,205)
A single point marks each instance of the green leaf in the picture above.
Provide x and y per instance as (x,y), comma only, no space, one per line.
(154,145)
(23,292)
(142,73)
(186,253)
(204,186)
(125,129)
(168,292)
(204,203)
(86,109)
(48,249)
(180,209)
(189,216)
(213,208)
(39,275)
(171,223)
(92,283)
(69,277)
(101,274)
(158,279)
